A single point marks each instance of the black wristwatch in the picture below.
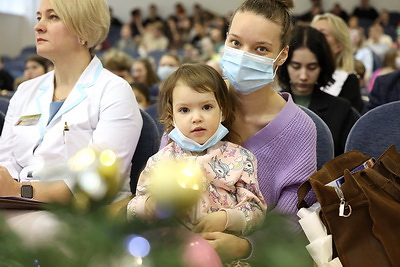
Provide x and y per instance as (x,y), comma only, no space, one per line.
(26,190)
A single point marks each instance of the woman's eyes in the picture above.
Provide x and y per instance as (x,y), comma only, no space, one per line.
(51,17)
(235,43)
(258,50)
(295,66)
(262,49)
(309,67)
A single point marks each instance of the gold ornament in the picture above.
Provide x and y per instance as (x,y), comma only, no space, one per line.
(97,177)
(177,184)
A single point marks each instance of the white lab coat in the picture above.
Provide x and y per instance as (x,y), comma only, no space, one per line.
(101,112)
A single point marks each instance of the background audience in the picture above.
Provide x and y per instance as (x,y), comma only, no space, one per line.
(35,66)
(197,35)
(346,83)
(119,63)
(6,79)
(388,66)
(310,66)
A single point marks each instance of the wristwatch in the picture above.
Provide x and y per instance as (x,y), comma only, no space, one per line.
(26,190)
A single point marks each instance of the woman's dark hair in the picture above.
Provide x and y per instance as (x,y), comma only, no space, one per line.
(141,88)
(315,41)
(44,62)
(151,77)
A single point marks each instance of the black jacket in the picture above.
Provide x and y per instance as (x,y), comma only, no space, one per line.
(352,92)
(337,113)
(386,89)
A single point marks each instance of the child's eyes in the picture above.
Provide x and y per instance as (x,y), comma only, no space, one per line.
(186,110)
(183,110)
(207,107)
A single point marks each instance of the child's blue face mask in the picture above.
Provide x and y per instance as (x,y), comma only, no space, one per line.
(247,72)
(188,144)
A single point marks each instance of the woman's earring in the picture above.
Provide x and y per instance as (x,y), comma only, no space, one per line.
(82,42)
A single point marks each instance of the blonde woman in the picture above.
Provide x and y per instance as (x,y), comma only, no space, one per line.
(337,33)
(79,104)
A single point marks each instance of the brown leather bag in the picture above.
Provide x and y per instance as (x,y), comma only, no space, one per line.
(363,214)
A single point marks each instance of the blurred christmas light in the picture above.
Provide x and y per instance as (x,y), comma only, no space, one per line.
(176,184)
(93,185)
(137,246)
(107,157)
(82,159)
(97,177)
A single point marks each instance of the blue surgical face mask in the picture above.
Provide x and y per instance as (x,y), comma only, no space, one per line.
(164,71)
(247,72)
(191,145)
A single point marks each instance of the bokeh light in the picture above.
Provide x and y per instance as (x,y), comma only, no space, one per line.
(92,184)
(137,246)
(82,159)
(176,185)
(107,157)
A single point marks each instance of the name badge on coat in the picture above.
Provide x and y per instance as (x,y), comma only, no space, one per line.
(28,120)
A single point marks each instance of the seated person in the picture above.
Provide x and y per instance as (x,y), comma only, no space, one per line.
(80,104)
(386,89)
(195,106)
(35,66)
(309,66)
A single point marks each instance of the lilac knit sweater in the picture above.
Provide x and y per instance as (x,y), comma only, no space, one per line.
(286,153)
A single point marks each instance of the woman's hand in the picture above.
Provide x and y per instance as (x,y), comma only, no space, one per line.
(212,222)
(229,247)
(8,186)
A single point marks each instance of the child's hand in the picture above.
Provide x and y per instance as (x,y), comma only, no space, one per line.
(212,222)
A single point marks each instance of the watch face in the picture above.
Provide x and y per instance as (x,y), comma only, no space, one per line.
(27,191)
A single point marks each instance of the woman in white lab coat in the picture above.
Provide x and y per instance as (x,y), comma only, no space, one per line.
(77,105)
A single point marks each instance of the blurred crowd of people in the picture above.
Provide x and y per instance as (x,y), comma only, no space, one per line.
(135,49)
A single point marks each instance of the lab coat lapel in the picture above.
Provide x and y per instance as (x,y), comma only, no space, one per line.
(79,92)
(42,102)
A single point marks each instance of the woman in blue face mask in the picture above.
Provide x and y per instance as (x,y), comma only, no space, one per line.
(270,124)
(196,108)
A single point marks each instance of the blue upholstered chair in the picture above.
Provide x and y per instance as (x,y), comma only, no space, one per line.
(376,130)
(4,102)
(325,147)
(148,145)
(2,118)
